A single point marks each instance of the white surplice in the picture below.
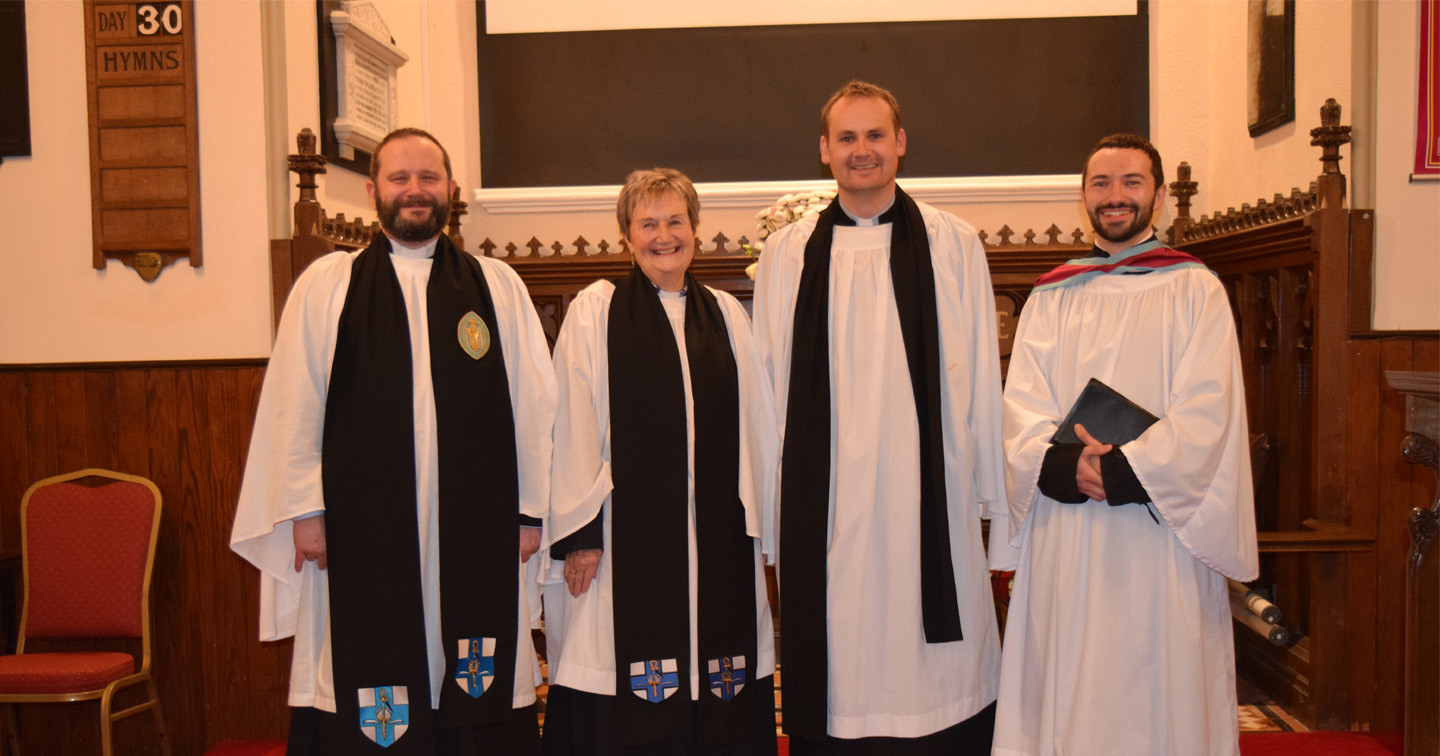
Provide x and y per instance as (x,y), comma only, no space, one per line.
(580,631)
(884,679)
(1119,637)
(282,472)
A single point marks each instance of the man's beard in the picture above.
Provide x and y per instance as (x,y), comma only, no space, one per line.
(413,231)
(1139,223)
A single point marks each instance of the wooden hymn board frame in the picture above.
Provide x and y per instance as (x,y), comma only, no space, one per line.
(144,133)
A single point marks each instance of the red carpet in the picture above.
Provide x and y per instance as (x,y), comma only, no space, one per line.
(1299,744)
(248,748)
(1251,744)
(1321,744)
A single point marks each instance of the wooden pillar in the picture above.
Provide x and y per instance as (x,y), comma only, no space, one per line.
(1326,339)
(458,210)
(290,256)
(1182,189)
(1422,573)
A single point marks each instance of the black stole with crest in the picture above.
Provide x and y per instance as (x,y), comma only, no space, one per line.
(649,523)
(369,483)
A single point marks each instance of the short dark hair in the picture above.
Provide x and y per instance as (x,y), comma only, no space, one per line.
(401,134)
(1123,141)
(857,88)
(646,184)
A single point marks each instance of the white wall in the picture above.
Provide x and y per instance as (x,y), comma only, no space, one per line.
(1407,222)
(1198,107)
(53,305)
(55,308)
(1197,75)
(438,90)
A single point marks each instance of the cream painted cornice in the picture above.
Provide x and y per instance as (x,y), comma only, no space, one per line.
(759,194)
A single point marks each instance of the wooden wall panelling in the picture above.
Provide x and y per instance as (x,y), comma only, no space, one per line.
(1401,486)
(187,428)
(177,457)
(248,680)
(102,432)
(15,469)
(1422,615)
(40,435)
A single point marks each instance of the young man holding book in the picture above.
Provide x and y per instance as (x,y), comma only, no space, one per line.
(1119,634)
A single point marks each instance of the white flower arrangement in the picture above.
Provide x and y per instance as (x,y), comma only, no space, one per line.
(786,210)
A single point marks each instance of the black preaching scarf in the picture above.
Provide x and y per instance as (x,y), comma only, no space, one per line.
(368,478)
(805,482)
(649,514)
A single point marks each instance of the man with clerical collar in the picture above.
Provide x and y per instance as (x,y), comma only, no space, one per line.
(396,476)
(876,321)
(658,626)
(1119,638)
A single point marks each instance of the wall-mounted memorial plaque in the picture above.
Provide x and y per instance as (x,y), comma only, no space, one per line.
(366,61)
(144,156)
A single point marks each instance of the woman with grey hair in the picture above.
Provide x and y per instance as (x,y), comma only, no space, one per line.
(662,491)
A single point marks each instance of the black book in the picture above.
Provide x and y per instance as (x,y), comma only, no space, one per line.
(1106,414)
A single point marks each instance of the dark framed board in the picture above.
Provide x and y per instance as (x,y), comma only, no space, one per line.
(1271,64)
(14,83)
(978,98)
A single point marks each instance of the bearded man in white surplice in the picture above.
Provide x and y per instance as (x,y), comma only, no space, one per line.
(1119,633)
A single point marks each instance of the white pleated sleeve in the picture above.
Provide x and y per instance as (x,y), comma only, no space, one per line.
(1166,341)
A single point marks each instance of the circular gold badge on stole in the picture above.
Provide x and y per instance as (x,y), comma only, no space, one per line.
(474,336)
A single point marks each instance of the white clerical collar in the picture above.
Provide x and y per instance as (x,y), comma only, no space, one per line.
(872,221)
(421,252)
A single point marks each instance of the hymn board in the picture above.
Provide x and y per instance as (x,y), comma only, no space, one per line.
(144,156)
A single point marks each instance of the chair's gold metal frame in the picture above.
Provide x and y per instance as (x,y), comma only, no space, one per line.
(106,694)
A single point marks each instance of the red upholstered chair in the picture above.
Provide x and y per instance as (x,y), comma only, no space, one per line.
(87,553)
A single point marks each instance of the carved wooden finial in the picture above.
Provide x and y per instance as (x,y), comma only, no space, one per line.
(487,247)
(1030,236)
(1052,234)
(580,244)
(983,236)
(534,246)
(1004,233)
(1329,135)
(458,209)
(1182,188)
(624,246)
(557,248)
(1078,236)
(306,164)
(604,247)
(511,249)
(720,241)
